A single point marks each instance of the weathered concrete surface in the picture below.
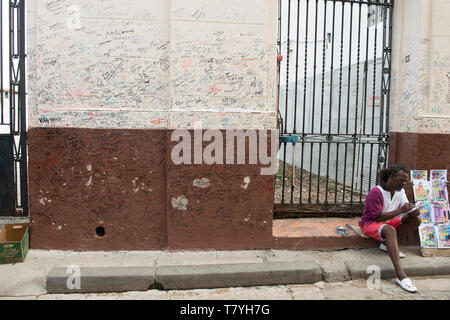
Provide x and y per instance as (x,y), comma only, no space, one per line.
(29,278)
(237,275)
(435,288)
(359,269)
(101,279)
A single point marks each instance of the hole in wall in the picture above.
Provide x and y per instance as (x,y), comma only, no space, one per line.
(100,232)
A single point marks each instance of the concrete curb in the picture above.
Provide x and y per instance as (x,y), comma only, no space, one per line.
(98,280)
(238,275)
(183,277)
(359,269)
(119,279)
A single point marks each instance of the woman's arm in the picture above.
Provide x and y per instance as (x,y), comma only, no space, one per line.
(385,216)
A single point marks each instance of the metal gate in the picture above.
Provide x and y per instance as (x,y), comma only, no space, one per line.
(333,106)
(13,165)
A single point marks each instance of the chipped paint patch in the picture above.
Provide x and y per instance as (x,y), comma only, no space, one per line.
(201,183)
(89,167)
(89,182)
(246,183)
(180,203)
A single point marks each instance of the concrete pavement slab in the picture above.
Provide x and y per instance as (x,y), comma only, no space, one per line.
(250,256)
(234,275)
(235,293)
(187,258)
(305,292)
(414,268)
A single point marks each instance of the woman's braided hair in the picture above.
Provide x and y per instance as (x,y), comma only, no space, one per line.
(385,174)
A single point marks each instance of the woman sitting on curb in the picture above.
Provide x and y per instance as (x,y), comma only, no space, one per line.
(387,217)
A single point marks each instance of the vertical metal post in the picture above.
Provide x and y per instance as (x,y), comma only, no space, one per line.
(348,97)
(287,96)
(340,100)
(355,135)
(314,105)
(304,100)
(1,61)
(17,77)
(23,113)
(323,87)
(331,103)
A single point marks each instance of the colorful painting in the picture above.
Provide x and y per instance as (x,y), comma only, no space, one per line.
(427,235)
(440,212)
(443,235)
(439,190)
(422,190)
(438,175)
(432,198)
(419,175)
(426,211)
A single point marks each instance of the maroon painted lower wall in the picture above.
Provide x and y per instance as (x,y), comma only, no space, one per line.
(125,182)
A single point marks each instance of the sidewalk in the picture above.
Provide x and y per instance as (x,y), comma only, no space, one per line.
(46,271)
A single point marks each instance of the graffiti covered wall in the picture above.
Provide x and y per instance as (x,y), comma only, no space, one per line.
(152,64)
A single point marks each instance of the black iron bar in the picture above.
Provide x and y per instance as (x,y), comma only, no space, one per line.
(296,67)
(304,101)
(287,66)
(348,97)
(370,166)
(12,74)
(366,74)
(388,82)
(284,173)
(278,61)
(356,104)
(362,172)
(295,101)
(23,112)
(373,95)
(1,61)
(313,102)
(374,73)
(381,124)
(287,94)
(340,101)
(323,85)
(331,103)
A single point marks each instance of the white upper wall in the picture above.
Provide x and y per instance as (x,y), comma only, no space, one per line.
(420,97)
(152,64)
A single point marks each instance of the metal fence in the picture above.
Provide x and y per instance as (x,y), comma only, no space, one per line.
(13,165)
(333,105)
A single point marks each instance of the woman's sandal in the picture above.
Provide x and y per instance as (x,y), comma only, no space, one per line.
(406,284)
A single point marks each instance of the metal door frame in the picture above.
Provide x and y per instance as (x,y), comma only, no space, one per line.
(17,104)
(357,138)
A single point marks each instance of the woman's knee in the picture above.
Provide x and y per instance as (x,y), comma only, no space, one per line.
(389,232)
(416,220)
(413,220)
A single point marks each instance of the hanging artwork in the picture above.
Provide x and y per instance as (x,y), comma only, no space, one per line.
(432,198)
(419,175)
(422,190)
(426,211)
(440,212)
(439,190)
(427,235)
(438,175)
(443,235)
